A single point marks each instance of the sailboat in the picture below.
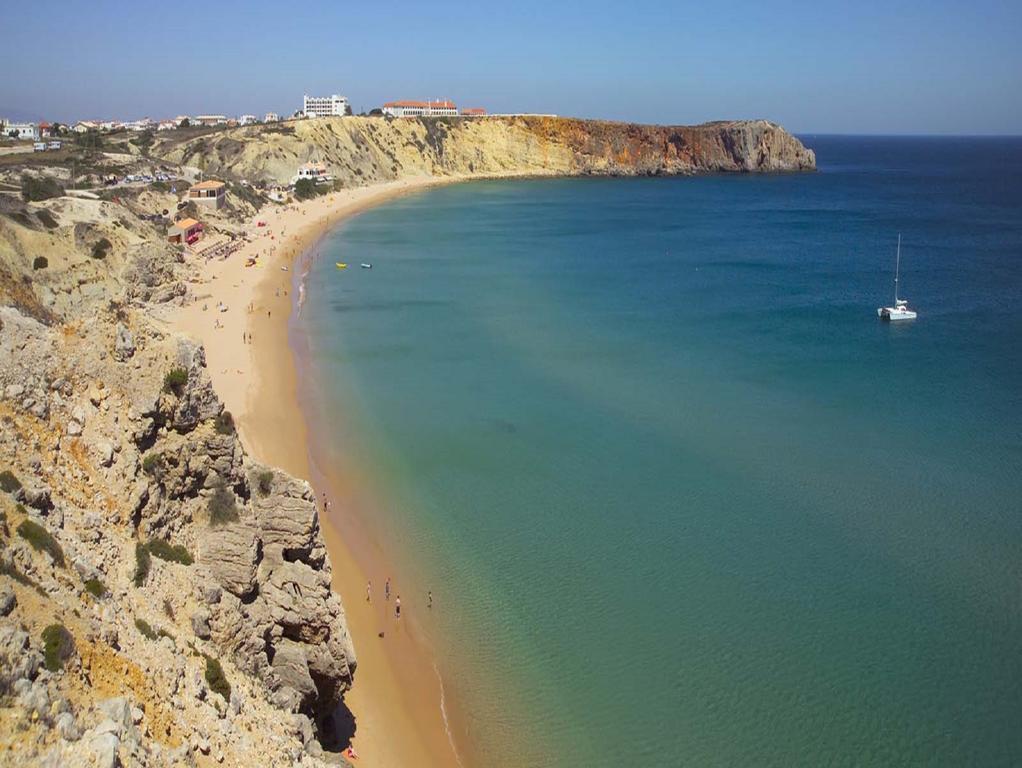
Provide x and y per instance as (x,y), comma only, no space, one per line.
(900,310)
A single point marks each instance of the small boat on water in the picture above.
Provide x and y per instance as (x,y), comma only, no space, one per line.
(340,265)
(366,266)
(900,310)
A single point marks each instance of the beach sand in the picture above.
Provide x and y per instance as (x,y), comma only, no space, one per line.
(397,693)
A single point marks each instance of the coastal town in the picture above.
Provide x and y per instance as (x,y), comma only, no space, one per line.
(312,107)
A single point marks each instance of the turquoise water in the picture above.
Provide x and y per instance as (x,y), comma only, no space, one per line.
(681,498)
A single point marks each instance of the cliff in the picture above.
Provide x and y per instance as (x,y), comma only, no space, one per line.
(358,150)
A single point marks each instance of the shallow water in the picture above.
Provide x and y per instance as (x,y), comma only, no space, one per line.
(680,496)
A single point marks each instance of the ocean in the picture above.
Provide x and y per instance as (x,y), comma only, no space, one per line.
(680,496)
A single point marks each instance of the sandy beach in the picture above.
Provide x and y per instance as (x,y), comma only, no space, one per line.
(396,697)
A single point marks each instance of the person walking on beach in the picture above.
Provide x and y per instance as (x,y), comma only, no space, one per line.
(369,591)
(386,589)
(397,607)
(429,599)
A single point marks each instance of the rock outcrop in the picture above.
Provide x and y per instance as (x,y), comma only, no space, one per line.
(163,598)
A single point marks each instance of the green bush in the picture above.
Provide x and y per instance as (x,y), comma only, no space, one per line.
(147,631)
(95,587)
(175,380)
(101,248)
(8,482)
(35,188)
(216,680)
(160,186)
(18,576)
(40,262)
(152,463)
(306,189)
(222,507)
(58,646)
(41,540)
(265,482)
(143,562)
(225,423)
(164,550)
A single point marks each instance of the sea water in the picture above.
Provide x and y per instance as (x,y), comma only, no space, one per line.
(681,497)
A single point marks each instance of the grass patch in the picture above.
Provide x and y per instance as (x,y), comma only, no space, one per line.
(216,680)
(147,631)
(175,380)
(35,188)
(101,248)
(164,550)
(223,508)
(96,588)
(224,423)
(264,482)
(8,482)
(18,576)
(41,540)
(143,562)
(58,646)
(152,463)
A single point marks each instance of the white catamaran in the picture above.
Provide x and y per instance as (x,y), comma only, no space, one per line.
(900,310)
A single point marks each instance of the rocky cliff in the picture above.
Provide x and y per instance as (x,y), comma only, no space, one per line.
(164,599)
(360,150)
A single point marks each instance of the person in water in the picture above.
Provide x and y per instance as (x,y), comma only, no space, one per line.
(397,607)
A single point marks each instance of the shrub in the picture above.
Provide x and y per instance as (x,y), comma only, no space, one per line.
(265,482)
(225,423)
(101,248)
(152,463)
(160,186)
(40,262)
(143,562)
(168,609)
(58,646)
(8,482)
(216,680)
(175,380)
(147,631)
(95,587)
(18,576)
(41,540)
(35,188)
(164,550)
(306,189)
(222,507)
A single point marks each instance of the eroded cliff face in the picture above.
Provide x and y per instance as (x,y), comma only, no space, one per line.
(365,150)
(164,599)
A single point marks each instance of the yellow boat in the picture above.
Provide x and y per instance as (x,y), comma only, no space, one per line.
(339,265)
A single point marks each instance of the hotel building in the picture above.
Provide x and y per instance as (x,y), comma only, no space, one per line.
(325,106)
(420,109)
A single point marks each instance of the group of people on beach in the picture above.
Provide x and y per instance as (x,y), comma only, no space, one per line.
(397,598)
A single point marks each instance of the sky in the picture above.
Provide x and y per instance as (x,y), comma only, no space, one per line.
(933,67)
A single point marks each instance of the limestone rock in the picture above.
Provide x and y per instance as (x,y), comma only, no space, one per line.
(292,670)
(7,600)
(124,343)
(231,553)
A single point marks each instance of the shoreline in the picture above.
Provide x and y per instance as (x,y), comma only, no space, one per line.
(399,711)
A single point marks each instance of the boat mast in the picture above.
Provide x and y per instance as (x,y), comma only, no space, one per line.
(897,270)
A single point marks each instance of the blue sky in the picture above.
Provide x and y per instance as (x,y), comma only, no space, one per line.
(847,67)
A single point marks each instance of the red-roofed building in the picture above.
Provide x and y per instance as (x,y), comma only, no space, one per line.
(420,109)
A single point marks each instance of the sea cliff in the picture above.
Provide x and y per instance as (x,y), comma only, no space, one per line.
(360,150)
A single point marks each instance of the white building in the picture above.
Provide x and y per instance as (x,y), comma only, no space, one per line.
(420,109)
(247,120)
(166,125)
(271,117)
(325,106)
(315,172)
(210,120)
(22,130)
